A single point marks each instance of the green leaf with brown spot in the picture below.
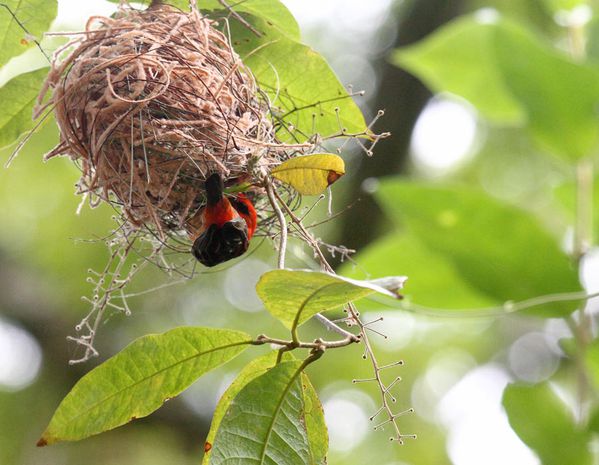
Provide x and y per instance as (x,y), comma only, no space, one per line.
(35,15)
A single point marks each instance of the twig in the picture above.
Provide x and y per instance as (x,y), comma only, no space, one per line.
(331,326)
(488,312)
(276,201)
(355,318)
(282,223)
(290,345)
(240,18)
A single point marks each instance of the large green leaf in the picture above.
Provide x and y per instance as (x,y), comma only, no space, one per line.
(511,76)
(294,296)
(137,381)
(545,424)
(434,280)
(314,417)
(265,422)
(560,96)
(458,58)
(18,97)
(304,90)
(500,250)
(35,15)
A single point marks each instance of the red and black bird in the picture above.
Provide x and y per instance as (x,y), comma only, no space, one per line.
(227,225)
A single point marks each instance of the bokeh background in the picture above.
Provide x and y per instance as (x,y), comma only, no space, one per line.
(455,367)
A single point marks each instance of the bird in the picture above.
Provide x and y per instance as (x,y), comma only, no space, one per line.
(227,225)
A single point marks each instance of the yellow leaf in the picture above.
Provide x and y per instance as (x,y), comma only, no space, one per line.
(310,174)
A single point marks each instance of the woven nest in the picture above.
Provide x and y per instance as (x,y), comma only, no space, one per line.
(149,103)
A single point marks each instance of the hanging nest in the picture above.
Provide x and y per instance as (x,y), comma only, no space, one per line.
(149,103)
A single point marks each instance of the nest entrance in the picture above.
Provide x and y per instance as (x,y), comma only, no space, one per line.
(149,103)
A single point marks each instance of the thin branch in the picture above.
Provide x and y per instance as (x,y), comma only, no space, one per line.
(331,326)
(355,318)
(240,18)
(487,312)
(290,345)
(281,217)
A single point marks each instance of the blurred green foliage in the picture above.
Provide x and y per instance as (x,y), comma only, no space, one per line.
(506,237)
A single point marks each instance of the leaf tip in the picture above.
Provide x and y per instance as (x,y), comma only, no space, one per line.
(42,442)
(333,176)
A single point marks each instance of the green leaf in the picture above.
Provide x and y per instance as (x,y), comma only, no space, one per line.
(314,416)
(139,379)
(592,362)
(564,5)
(35,15)
(251,371)
(560,96)
(274,13)
(265,422)
(593,425)
(318,436)
(304,91)
(18,98)
(294,296)
(512,76)
(310,174)
(566,195)
(546,425)
(459,58)
(500,250)
(430,273)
